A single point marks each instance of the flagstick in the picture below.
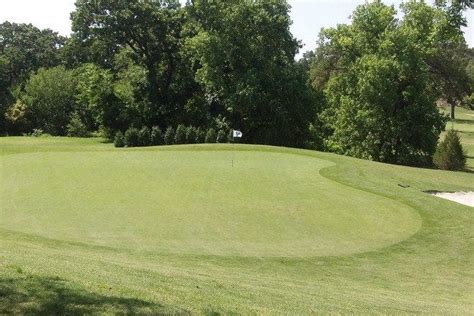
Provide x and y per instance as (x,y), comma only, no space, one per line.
(233,143)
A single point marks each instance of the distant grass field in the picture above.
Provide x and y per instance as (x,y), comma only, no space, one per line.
(464,124)
(87,228)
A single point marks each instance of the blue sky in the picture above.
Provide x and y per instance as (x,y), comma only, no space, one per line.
(309,16)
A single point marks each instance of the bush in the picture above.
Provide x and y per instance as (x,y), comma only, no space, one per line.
(156,136)
(221,136)
(450,155)
(106,132)
(144,137)
(200,136)
(169,136)
(180,136)
(76,128)
(119,140)
(191,134)
(132,137)
(230,136)
(50,99)
(211,136)
(37,132)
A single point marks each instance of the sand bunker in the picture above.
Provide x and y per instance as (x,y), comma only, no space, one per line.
(466,198)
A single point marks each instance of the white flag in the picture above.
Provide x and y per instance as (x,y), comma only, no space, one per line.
(237,134)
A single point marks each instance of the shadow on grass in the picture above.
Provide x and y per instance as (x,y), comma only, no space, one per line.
(53,296)
(463,121)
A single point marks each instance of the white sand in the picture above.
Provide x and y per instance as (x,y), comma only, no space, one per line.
(466,198)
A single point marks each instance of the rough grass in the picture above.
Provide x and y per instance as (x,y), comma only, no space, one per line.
(86,228)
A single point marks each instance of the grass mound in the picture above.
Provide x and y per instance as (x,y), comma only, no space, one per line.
(180,229)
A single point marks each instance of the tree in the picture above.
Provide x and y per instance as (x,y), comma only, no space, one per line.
(211,136)
(169,136)
(438,32)
(441,45)
(130,88)
(76,128)
(244,55)
(156,136)
(97,104)
(119,140)
(380,97)
(469,100)
(144,136)
(27,48)
(450,154)
(5,95)
(151,30)
(221,136)
(191,134)
(180,135)
(132,137)
(50,99)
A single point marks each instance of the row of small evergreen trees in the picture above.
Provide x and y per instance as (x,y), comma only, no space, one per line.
(134,137)
(449,155)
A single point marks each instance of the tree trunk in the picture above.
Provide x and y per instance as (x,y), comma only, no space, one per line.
(452,103)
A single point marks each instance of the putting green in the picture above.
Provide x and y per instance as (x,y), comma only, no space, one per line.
(194,202)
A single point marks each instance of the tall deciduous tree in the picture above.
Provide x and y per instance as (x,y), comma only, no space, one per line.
(381,101)
(438,30)
(27,48)
(244,52)
(151,30)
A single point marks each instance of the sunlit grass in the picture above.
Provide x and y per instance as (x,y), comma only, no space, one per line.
(86,228)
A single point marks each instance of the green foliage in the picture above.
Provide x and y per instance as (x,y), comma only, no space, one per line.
(76,128)
(153,39)
(132,137)
(130,88)
(5,94)
(156,136)
(230,137)
(27,49)
(144,136)
(211,136)
(50,99)
(95,97)
(380,101)
(169,136)
(16,116)
(180,135)
(450,154)
(37,132)
(255,82)
(222,136)
(200,136)
(191,134)
(119,140)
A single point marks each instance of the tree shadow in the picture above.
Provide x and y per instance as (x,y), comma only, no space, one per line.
(53,296)
(464,121)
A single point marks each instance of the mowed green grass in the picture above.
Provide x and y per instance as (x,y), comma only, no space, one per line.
(86,228)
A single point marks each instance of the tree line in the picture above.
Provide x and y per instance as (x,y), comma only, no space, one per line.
(369,90)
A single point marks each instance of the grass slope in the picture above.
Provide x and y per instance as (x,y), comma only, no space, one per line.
(86,228)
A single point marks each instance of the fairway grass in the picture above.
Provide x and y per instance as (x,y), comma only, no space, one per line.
(86,228)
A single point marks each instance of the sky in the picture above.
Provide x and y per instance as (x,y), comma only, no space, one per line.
(308,16)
